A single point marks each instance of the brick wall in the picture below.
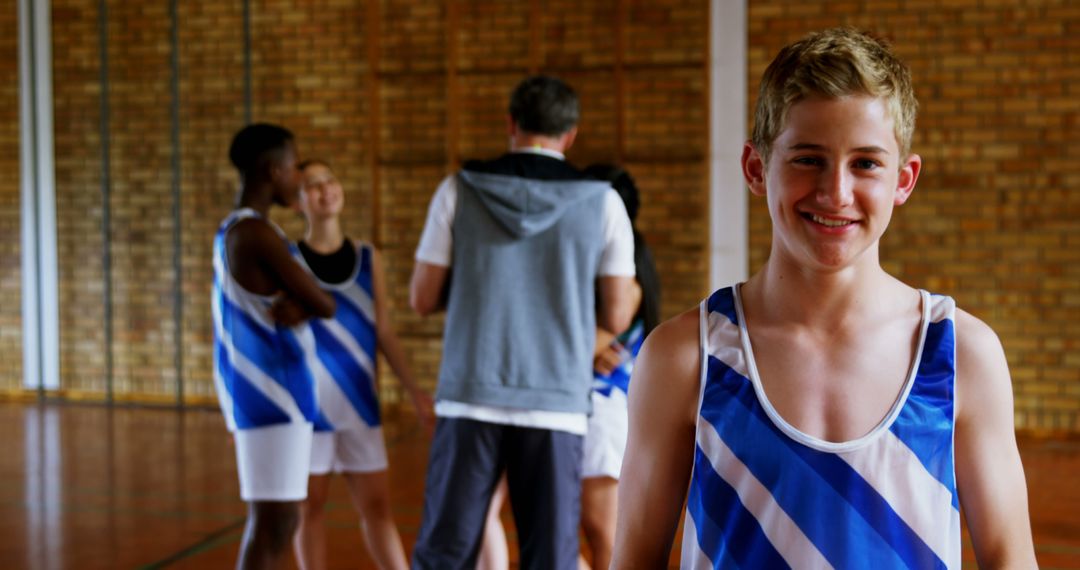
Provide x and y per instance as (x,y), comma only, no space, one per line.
(396,93)
(393,94)
(211,47)
(79,169)
(995,219)
(141,221)
(10,272)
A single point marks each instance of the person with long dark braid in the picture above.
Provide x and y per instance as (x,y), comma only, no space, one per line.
(605,440)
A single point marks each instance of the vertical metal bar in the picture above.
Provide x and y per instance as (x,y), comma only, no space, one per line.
(374,113)
(41,360)
(31,271)
(247,62)
(453,130)
(45,191)
(36,206)
(106,184)
(177,199)
(621,25)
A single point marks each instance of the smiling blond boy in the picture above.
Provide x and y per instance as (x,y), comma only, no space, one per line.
(824,413)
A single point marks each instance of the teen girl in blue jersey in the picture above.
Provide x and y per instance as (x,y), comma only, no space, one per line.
(605,440)
(348,435)
(823,414)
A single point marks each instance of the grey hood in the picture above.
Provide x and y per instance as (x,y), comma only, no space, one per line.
(524,206)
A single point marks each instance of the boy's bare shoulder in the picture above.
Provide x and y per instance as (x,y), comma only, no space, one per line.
(673,348)
(252,232)
(975,340)
(250,222)
(982,371)
(667,373)
(680,333)
(256,238)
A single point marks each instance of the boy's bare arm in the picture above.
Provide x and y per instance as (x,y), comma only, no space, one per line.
(267,267)
(660,448)
(990,476)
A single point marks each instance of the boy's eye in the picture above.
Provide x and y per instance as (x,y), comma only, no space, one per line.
(866,164)
(807,161)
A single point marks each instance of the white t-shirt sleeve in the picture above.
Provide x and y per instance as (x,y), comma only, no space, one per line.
(617,259)
(437,241)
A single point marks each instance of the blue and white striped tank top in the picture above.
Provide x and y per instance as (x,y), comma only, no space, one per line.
(345,345)
(261,369)
(619,378)
(765,495)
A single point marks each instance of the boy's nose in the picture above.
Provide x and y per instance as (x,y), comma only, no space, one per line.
(836,189)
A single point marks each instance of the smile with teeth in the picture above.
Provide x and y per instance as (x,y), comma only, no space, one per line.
(830,223)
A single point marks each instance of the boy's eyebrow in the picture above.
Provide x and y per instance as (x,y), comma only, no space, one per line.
(865,149)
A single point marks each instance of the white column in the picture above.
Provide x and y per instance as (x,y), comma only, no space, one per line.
(728,213)
(43,481)
(40,301)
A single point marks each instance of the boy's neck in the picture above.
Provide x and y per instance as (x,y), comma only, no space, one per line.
(258,197)
(795,294)
(324,235)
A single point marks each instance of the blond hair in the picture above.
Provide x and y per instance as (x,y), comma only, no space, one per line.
(834,63)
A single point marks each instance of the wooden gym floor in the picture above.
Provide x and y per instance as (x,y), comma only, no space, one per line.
(91,487)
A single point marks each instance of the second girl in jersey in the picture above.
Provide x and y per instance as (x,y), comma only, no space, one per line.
(348,430)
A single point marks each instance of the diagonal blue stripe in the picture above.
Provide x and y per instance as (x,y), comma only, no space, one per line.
(248,337)
(723,302)
(736,541)
(356,323)
(219,237)
(268,351)
(248,333)
(347,373)
(818,490)
(321,423)
(872,506)
(277,354)
(619,377)
(250,407)
(925,424)
(302,388)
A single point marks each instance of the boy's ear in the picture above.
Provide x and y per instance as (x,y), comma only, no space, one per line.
(567,139)
(753,166)
(909,174)
(271,170)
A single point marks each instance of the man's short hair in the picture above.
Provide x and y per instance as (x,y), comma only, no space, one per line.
(834,63)
(544,105)
(255,144)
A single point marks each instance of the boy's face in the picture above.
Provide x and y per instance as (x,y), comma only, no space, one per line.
(286,176)
(832,180)
(321,196)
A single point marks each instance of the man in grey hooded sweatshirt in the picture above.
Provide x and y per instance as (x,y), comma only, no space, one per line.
(528,257)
